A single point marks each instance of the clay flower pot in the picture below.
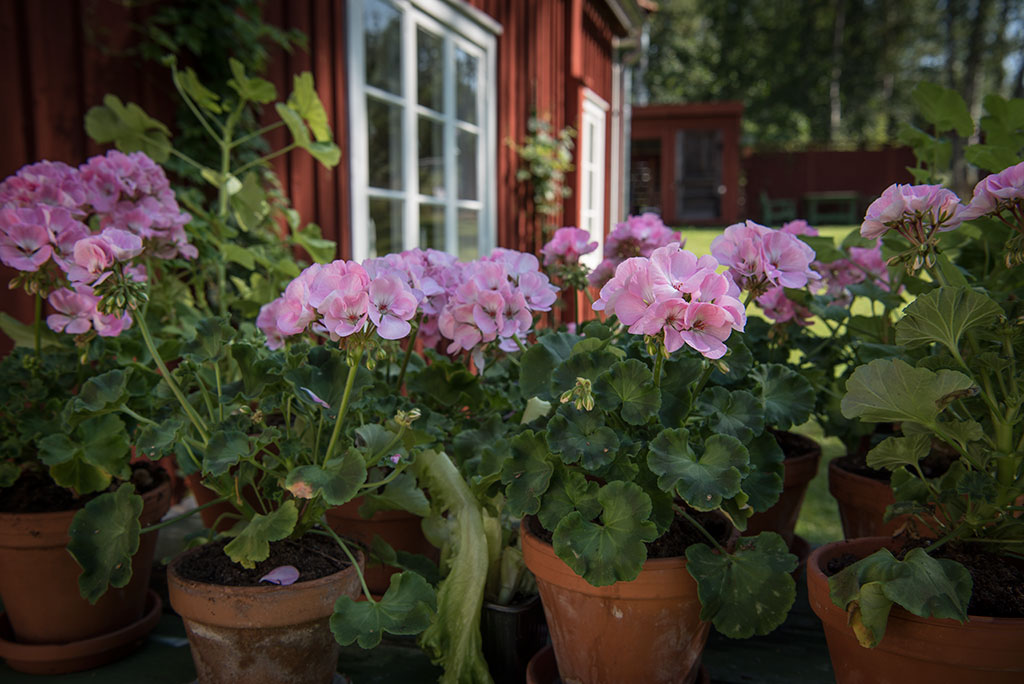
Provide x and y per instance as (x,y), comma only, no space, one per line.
(862,503)
(261,635)
(648,630)
(400,529)
(800,469)
(914,650)
(39,584)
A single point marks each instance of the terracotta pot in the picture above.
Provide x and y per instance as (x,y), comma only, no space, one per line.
(544,670)
(862,503)
(210,516)
(647,630)
(799,471)
(511,636)
(261,635)
(401,529)
(914,650)
(39,578)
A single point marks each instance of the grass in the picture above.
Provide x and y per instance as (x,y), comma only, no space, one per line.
(819,516)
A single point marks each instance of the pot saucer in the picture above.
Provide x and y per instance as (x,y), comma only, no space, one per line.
(78,655)
(543,669)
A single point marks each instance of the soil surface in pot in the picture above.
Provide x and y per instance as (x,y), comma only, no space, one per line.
(35,492)
(674,542)
(314,556)
(998,581)
(794,445)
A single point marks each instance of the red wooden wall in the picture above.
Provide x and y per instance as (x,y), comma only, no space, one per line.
(61,56)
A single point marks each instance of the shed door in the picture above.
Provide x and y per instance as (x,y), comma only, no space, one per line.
(591,165)
(698,175)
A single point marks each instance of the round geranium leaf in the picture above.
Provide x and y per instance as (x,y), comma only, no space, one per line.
(569,491)
(104,537)
(787,396)
(678,375)
(587,364)
(252,543)
(612,550)
(763,483)
(738,414)
(747,592)
(338,481)
(406,608)
(226,449)
(576,435)
(631,385)
(526,473)
(702,481)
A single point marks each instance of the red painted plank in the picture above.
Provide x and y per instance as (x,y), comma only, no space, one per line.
(322,49)
(301,177)
(341,134)
(15,122)
(106,66)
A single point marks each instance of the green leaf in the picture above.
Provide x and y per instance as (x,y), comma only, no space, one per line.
(737,414)
(702,481)
(401,494)
(747,592)
(891,390)
(944,315)
(24,335)
(253,89)
(252,542)
(536,367)
(156,441)
(787,396)
(568,491)
(678,376)
(527,473)
(104,537)
(129,128)
(327,153)
(587,365)
(83,477)
(629,384)
(102,391)
(104,444)
(250,203)
(764,483)
(943,107)
(305,101)
(926,586)
(212,335)
(576,435)
(238,254)
(226,449)
(9,474)
(990,157)
(824,248)
(338,482)
(894,452)
(406,608)
(310,239)
(293,120)
(200,94)
(612,550)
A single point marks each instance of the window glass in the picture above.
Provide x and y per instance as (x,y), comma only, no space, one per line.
(465,85)
(429,69)
(469,231)
(385,226)
(467,165)
(384,124)
(383,38)
(431,157)
(432,226)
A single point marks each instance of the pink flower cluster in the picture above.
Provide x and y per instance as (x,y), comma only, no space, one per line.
(998,192)
(637,236)
(46,211)
(760,258)
(495,299)
(566,246)
(339,299)
(678,296)
(915,211)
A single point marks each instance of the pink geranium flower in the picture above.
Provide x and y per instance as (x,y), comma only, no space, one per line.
(391,306)
(915,211)
(75,311)
(996,192)
(91,257)
(24,244)
(567,245)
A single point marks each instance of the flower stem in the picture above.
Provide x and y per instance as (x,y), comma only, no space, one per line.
(693,521)
(351,558)
(197,421)
(37,325)
(408,351)
(353,368)
(186,514)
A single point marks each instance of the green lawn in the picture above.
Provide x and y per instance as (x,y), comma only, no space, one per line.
(819,517)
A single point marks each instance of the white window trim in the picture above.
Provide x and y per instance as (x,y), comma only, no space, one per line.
(596,109)
(474,32)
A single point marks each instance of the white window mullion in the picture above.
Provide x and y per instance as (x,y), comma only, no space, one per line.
(410,135)
(451,215)
(487,165)
(591,165)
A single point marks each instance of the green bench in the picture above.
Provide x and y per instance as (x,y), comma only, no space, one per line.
(835,208)
(777,211)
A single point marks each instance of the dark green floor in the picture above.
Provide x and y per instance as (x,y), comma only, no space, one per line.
(795,652)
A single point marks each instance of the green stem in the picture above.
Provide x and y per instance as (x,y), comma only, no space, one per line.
(266,129)
(693,521)
(519,343)
(262,160)
(186,514)
(351,558)
(408,351)
(353,368)
(191,105)
(659,360)
(220,405)
(197,421)
(136,416)
(37,325)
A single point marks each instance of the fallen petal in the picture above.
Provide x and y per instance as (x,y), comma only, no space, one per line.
(284,575)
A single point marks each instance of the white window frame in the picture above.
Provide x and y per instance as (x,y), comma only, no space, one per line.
(591,166)
(459,25)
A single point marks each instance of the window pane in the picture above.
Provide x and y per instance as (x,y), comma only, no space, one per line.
(385,226)
(431,226)
(384,126)
(469,232)
(466,85)
(431,147)
(467,165)
(430,70)
(383,37)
